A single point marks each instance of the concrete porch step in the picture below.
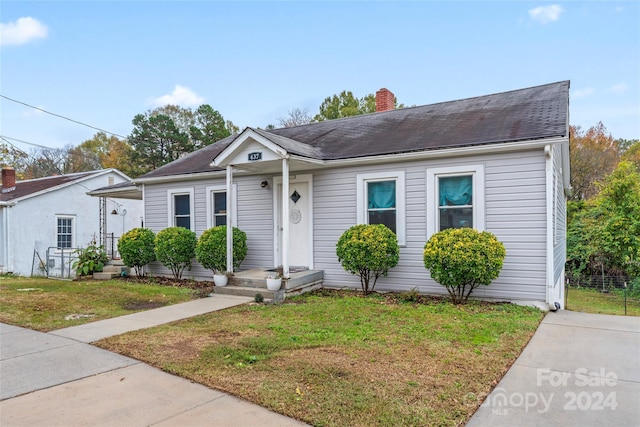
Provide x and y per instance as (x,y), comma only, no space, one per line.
(243,291)
(113,269)
(105,275)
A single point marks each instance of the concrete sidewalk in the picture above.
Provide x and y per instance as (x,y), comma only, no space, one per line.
(57,379)
(578,370)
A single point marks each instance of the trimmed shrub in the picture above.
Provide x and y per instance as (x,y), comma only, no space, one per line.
(369,251)
(211,250)
(136,247)
(461,259)
(175,248)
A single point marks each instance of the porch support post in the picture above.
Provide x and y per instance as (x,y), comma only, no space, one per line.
(285,218)
(230,224)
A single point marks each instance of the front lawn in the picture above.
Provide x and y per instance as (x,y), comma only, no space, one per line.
(333,358)
(46,304)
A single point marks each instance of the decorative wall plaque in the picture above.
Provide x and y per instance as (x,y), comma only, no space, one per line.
(295,216)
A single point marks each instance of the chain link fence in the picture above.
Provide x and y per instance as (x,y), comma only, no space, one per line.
(618,293)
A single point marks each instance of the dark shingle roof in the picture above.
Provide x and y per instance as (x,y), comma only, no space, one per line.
(31,186)
(525,114)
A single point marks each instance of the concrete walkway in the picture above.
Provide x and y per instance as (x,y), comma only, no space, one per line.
(57,379)
(578,370)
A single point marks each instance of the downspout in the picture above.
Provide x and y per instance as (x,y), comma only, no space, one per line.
(285,218)
(229,220)
(548,154)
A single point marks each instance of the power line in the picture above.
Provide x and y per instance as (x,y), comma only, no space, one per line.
(15,148)
(62,117)
(26,142)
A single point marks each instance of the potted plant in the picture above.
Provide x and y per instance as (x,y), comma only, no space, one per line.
(211,251)
(274,279)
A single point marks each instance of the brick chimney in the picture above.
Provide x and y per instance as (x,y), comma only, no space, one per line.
(8,179)
(385,100)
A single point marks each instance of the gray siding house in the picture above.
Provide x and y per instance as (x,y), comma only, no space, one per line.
(498,163)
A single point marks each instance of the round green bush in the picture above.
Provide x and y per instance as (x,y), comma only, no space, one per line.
(136,247)
(211,250)
(461,259)
(369,251)
(175,248)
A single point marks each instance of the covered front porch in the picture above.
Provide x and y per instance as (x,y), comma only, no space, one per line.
(258,152)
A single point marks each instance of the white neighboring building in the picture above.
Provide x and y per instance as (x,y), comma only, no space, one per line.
(55,213)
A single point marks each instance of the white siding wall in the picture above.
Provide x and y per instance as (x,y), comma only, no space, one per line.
(255,217)
(514,211)
(33,223)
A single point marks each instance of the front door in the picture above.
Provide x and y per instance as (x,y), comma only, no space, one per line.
(300,222)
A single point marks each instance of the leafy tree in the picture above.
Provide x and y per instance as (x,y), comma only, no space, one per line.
(296,117)
(162,135)
(175,248)
(136,247)
(368,251)
(88,155)
(461,259)
(594,154)
(231,128)
(156,140)
(119,156)
(603,235)
(619,225)
(338,106)
(211,250)
(208,127)
(630,150)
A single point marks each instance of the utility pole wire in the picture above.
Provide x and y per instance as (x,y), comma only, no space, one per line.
(62,117)
(5,137)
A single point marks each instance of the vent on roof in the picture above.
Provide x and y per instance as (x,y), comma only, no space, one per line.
(8,179)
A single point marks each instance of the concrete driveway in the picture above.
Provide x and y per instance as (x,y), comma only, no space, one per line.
(578,370)
(57,379)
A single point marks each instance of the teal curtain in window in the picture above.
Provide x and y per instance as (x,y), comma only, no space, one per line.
(381,195)
(455,190)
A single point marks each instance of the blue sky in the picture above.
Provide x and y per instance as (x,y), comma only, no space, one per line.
(101,63)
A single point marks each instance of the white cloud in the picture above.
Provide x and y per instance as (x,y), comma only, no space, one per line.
(618,88)
(22,31)
(182,96)
(546,14)
(583,93)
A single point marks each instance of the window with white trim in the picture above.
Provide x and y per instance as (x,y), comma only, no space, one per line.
(216,198)
(180,203)
(219,205)
(455,198)
(64,232)
(381,200)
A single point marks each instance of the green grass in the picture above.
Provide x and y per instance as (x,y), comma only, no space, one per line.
(594,301)
(43,304)
(337,358)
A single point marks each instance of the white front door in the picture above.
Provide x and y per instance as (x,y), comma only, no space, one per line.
(300,221)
